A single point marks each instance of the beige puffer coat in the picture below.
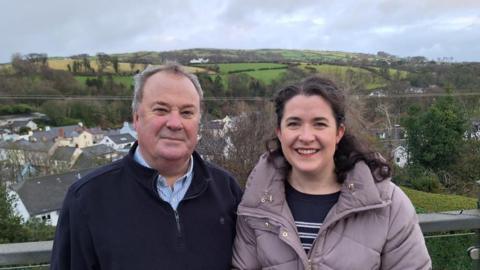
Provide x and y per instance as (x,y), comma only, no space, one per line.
(372,226)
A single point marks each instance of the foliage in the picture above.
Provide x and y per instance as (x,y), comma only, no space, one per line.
(417,177)
(11,229)
(435,136)
(245,141)
(38,230)
(449,252)
(15,109)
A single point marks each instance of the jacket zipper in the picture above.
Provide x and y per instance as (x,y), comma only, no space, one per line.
(175,211)
(177,220)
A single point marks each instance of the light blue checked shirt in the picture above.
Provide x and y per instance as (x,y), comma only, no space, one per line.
(172,195)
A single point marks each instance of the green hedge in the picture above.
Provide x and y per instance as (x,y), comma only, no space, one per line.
(448,251)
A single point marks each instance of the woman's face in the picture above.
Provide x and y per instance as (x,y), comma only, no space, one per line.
(308,135)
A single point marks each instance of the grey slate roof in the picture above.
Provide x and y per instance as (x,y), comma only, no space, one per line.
(122,138)
(46,193)
(44,136)
(68,131)
(27,145)
(19,124)
(98,150)
(63,153)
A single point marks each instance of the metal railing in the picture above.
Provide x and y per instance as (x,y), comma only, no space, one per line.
(28,253)
(39,252)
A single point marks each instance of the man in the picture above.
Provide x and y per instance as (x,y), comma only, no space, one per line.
(161,206)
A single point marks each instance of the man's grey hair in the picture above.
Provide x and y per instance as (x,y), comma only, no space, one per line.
(170,67)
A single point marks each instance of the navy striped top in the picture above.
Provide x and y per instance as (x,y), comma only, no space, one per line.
(309,212)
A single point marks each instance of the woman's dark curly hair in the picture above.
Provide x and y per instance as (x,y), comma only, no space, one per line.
(349,150)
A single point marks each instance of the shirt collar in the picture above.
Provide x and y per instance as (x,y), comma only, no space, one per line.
(137,156)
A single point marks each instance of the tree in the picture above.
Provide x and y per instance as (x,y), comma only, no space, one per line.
(103,61)
(11,229)
(238,85)
(114,60)
(435,136)
(218,87)
(21,66)
(244,142)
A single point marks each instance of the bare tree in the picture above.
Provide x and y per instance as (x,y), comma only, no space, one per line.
(244,141)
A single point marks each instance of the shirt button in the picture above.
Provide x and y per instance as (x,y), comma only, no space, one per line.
(285,234)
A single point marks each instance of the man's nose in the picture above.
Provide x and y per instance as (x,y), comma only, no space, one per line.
(174,121)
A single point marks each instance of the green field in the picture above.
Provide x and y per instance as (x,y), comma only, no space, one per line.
(226,68)
(266,76)
(393,72)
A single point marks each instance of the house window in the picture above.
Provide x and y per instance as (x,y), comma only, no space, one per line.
(46,217)
(398,159)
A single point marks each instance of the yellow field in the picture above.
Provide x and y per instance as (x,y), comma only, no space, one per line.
(62,64)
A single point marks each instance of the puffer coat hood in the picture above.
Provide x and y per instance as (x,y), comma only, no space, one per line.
(372,226)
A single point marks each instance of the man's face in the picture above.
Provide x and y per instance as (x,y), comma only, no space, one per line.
(167,119)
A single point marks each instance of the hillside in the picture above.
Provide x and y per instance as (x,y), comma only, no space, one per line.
(431,202)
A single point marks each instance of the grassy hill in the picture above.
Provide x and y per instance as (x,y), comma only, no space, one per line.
(432,202)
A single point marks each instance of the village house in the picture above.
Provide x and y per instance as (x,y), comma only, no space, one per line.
(74,136)
(64,157)
(97,134)
(22,152)
(199,60)
(400,156)
(42,197)
(9,119)
(17,126)
(119,142)
(95,155)
(128,129)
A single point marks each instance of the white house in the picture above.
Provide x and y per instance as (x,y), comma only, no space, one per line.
(199,61)
(400,156)
(17,125)
(128,129)
(42,197)
(119,142)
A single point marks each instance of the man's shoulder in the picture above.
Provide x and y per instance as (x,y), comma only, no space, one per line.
(216,170)
(98,177)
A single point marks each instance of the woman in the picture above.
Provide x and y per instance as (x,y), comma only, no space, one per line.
(320,200)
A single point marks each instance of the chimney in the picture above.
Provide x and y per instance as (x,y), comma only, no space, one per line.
(61,133)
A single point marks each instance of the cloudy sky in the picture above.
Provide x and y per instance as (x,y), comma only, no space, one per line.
(431,28)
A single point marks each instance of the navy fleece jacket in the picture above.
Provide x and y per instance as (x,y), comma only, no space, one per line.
(113,218)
